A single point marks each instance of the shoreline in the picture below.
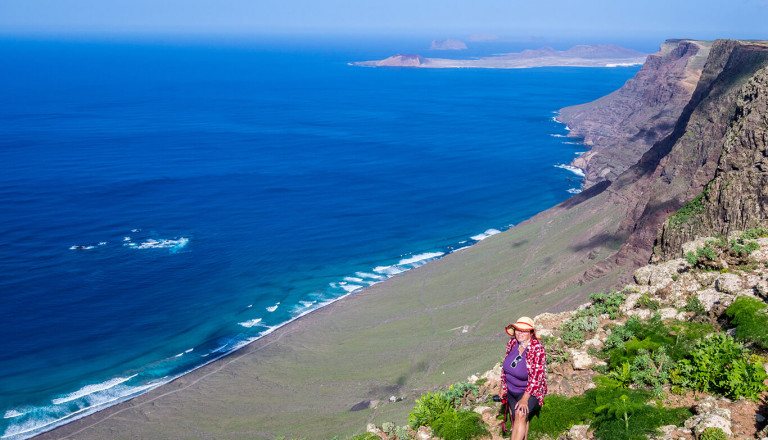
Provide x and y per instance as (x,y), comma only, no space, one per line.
(244,344)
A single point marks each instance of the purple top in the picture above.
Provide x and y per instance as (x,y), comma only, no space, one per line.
(517,377)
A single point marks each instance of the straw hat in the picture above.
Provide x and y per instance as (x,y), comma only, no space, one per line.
(523,324)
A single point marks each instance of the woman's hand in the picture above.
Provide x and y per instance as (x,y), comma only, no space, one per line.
(521,406)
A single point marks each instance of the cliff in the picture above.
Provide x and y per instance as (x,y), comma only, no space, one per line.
(737,197)
(620,127)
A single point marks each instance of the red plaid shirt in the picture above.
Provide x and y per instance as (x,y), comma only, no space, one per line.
(536,361)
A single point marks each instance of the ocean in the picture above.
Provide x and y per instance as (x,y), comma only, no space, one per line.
(164,203)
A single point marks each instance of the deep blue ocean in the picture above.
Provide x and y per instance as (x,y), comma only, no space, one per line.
(163,203)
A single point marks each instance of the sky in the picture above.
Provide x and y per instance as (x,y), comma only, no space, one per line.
(659,19)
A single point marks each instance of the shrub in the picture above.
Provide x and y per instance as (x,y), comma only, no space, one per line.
(713,434)
(428,407)
(645,301)
(402,433)
(652,369)
(751,320)
(627,417)
(693,304)
(721,365)
(559,414)
(458,425)
(388,427)
(608,303)
(751,234)
(456,392)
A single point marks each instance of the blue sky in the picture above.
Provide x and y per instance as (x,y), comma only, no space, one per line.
(657,19)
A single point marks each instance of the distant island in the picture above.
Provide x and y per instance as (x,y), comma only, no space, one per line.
(448,44)
(598,55)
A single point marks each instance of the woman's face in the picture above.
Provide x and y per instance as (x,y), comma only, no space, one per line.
(522,336)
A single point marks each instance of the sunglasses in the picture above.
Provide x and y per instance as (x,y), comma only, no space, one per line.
(513,364)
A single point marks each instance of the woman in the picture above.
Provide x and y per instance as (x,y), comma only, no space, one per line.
(525,375)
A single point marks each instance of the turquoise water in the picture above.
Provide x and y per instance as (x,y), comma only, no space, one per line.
(164,204)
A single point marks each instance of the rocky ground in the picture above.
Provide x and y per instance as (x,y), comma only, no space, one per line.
(670,283)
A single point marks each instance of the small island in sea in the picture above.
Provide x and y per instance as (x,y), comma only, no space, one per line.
(597,55)
(448,44)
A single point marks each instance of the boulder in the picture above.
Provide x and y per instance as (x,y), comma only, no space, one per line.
(581,360)
(710,298)
(424,433)
(706,279)
(761,288)
(482,409)
(709,415)
(728,283)
(577,432)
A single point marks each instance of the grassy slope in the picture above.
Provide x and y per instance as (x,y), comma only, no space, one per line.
(395,338)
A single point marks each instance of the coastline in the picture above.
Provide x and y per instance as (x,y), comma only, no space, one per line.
(268,337)
(415,320)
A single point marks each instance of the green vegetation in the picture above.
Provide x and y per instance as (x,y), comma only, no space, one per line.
(723,366)
(428,408)
(713,434)
(749,316)
(734,253)
(754,233)
(693,304)
(646,302)
(614,413)
(457,391)
(691,209)
(458,425)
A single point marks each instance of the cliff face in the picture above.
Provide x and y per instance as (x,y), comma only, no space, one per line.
(677,167)
(620,127)
(737,197)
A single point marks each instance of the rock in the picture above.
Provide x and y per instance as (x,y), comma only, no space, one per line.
(710,298)
(630,301)
(424,433)
(728,283)
(577,432)
(707,279)
(709,415)
(759,418)
(761,288)
(482,409)
(595,342)
(392,399)
(374,430)
(640,313)
(668,313)
(472,379)
(581,360)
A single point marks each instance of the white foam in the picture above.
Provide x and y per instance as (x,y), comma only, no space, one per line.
(11,413)
(388,270)
(353,279)
(251,323)
(572,143)
(164,243)
(102,243)
(80,248)
(95,402)
(485,234)
(126,238)
(273,308)
(135,230)
(420,258)
(558,135)
(350,287)
(370,275)
(574,190)
(90,389)
(575,170)
(579,153)
(307,303)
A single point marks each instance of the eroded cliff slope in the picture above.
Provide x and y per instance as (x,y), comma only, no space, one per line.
(620,127)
